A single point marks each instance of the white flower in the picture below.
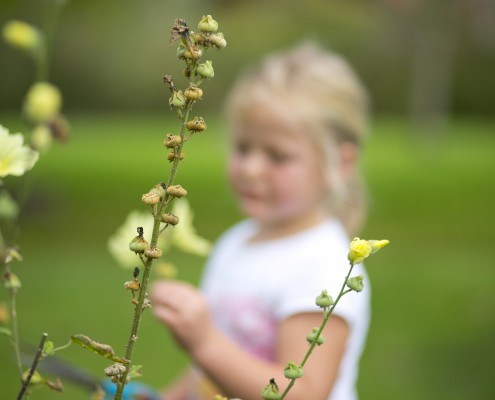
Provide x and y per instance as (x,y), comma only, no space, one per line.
(15,158)
(183,236)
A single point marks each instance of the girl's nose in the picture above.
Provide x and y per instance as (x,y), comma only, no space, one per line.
(253,165)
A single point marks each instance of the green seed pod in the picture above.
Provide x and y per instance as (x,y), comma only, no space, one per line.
(181,49)
(159,190)
(172,141)
(178,99)
(312,336)
(293,371)
(193,93)
(139,245)
(170,219)
(206,70)
(356,283)
(208,24)
(217,40)
(176,191)
(270,392)
(324,300)
(196,125)
(153,252)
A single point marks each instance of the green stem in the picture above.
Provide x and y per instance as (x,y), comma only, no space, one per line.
(15,330)
(326,317)
(37,358)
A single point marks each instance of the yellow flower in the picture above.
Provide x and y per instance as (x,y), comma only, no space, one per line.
(359,249)
(15,158)
(21,35)
(43,102)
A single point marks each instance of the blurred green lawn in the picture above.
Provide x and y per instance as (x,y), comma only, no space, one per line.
(433,299)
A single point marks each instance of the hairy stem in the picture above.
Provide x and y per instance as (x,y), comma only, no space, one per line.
(37,358)
(326,317)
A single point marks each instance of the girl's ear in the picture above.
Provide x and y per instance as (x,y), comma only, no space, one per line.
(349,153)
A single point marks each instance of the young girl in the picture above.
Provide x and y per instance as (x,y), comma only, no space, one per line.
(297,122)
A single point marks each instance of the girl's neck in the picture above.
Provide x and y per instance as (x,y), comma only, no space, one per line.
(283,229)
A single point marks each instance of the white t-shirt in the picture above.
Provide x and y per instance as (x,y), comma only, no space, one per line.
(251,287)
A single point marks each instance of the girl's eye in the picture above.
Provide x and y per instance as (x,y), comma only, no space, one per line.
(241,148)
(278,158)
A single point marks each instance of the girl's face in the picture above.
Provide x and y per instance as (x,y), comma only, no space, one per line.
(275,171)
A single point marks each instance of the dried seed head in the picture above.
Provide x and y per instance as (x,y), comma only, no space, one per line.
(172,156)
(132,285)
(217,40)
(116,369)
(170,219)
(172,141)
(150,198)
(176,191)
(193,53)
(153,252)
(196,125)
(193,93)
(159,189)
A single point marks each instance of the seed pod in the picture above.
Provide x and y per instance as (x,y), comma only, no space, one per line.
(116,369)
(170,219)
(324,300)
(159,189)
(270,392)
(193,93)
(217,40)
(150,198)
(132,285)
(153,252)
(293,371)
(138,245)
(206,70)
(193,53)
(312,336)
(196,125)
(171,156)
(181,50)
(176,191)
(356,283)
(207,24)
(177,100)
(172,141)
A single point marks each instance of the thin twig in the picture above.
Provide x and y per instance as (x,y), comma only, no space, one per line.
(37,358)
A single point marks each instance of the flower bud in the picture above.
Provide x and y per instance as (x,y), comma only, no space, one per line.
(132,285)
(116,369)
(356,283)
(359,249)
(217,40)
(324,300)
(377,245)
(312,336)
(43,102)
(270,392)
(293,371)
(193,53)
(207,24)
(206,70)
(170,219)
(21,35)
(193,93)
(176,191)
(196,125)
(150,198)
(172,141)
(41,138)
(172,156)
(153,252)
(138,245)
(10,280)
(178,99)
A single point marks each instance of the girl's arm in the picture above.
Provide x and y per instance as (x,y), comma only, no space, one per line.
(239,374)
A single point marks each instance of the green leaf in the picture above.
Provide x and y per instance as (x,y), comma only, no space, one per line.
(5,331)
(135,371)
(48,348)
(102,349)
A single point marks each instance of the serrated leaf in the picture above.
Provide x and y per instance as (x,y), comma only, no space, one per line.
(102,349)
(5,331)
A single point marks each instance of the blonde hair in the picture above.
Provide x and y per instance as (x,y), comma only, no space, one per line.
(318,89)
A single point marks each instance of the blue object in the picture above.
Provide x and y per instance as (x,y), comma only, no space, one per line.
(132,391)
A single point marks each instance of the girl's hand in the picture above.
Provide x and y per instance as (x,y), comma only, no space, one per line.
(183,309)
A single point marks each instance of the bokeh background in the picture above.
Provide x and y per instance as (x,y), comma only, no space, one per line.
(430,169)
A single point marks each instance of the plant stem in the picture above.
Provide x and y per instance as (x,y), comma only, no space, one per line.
(326,317)
(37,358)
(15,330)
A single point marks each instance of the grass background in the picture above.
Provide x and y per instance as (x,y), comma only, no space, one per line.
(433,299)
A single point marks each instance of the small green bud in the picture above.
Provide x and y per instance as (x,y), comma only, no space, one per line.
(270,392)
(181,49)
(139,245)
(293,371)
(159,190)
(356,283)
(176,191)
(10,280)
(206,70)
(324,300)
(312,336)
(208,24)
(36,379)
(178,99)
(196,125)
